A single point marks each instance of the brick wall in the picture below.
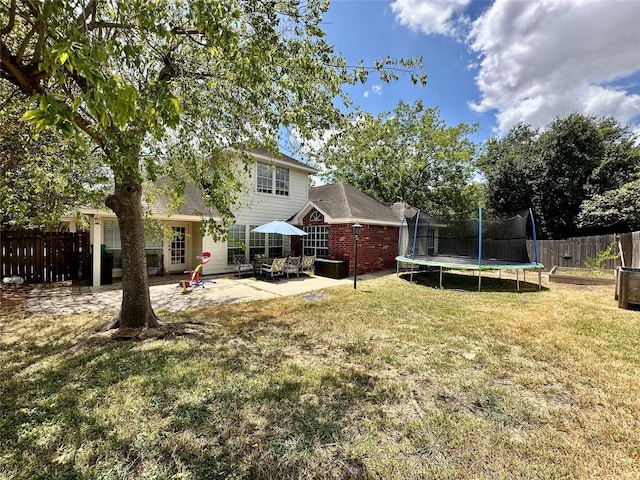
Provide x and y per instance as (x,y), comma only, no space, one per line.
(377,247)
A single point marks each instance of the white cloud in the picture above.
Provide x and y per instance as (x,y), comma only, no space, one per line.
(433,16)
(377,89)
(541,59)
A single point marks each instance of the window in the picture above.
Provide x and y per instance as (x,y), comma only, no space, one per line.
(316,216)
(275,245)
(111,234)
(179,245)
(257,243)
(282,181)
(316,242)
(236,237)
(112,242)
(267,176)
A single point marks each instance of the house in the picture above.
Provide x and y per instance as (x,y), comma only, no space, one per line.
(276,187)
(328,217)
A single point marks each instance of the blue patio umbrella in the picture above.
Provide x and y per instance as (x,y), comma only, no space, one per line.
(281,227)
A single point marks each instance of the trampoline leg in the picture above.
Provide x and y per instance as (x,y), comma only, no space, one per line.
(524,275)
(479,279)
(518,279)
(411,278)
(539,279)
(440,278)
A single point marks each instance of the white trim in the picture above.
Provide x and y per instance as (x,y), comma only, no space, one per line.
(299,217)
(285,163)
(108,215)
(364,221)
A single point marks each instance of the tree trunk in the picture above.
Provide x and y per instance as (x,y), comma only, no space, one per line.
(126,202)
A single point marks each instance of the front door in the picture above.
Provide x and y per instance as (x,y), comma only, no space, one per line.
(179,254)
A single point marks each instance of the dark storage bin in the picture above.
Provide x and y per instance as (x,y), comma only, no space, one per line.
(106,270)
(331,268)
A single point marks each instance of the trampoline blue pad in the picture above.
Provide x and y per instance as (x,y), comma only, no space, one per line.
(466,263)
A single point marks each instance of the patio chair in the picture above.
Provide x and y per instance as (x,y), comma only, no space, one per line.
(241,265)
(308,263)
(275,268)
(292,265)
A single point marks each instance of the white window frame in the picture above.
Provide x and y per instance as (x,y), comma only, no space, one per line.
(236,242)
(316,216)
(264,178)
(316,242)
(272,181)
(282,181)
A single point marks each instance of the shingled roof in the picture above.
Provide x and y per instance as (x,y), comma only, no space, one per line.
(193,203)
(342,203)
(286,159)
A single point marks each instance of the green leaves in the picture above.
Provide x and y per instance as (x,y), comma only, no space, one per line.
(51,112)
(44,176)
(572,174)
(185,76)
(406,155)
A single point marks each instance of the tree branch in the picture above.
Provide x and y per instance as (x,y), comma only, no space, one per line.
(26,78)
(88,12)
(25,44)
(9,98)
(95,25)
(41,29)
(12,19)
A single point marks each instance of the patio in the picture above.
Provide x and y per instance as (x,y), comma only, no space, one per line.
(64,298)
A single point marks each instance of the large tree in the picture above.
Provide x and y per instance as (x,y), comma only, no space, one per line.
(408,155)
(509,164)
(558,169)
(176,83)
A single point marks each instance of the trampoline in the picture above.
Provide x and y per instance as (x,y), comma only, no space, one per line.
(472,244)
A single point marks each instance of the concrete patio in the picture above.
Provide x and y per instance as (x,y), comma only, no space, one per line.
(65,298)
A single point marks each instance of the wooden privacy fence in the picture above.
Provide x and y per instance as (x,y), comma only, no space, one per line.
(41,257)
(573,252)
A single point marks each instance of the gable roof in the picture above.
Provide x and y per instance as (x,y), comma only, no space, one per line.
(342,203)
(264,154)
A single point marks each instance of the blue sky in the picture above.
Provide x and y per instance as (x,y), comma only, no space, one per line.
(498,62)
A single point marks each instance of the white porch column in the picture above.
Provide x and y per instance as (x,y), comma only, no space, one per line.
(96,231)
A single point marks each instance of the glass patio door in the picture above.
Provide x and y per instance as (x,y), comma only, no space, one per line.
(178,249)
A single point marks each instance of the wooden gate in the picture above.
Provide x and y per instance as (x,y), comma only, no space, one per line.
(41,257)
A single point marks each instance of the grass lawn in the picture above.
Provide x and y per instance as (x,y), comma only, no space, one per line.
(392,381)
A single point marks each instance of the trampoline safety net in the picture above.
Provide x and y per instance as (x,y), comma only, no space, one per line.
(477,240)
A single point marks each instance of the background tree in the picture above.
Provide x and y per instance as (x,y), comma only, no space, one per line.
(201,77)
(43,176)
(406,155)
(509,168)
(569,150)
(557,171)
(617,209)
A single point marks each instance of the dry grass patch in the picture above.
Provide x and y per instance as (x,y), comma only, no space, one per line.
(393,380)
